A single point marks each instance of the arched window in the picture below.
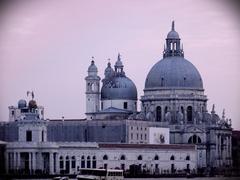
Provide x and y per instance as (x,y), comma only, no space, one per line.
(94,162)
(67,165)
(105,157)
(61,162)
(182,110)
(188,158)
(159,113)
(73,162)
(139,157)
(172,157)
(162,81)
(189,113)
(82,162)
(88,162)
(165,110)
(122,157)
(156,157)
(194,139)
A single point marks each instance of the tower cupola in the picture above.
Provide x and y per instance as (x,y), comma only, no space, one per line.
(119,66)
(173,44)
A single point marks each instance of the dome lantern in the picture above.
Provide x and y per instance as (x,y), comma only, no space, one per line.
(119,65)
(109,70)
(173,44)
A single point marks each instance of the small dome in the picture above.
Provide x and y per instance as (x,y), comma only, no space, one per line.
(120,87)
(92,67)
(119,63)
(174,72)
(22,103)
(173,35)
(32,104)
(109,70)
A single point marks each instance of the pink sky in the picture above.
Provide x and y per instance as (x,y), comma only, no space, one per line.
(46,46)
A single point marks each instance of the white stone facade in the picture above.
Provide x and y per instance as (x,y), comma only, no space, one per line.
(55,158)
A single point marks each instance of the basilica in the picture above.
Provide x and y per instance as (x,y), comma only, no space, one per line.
(172,132)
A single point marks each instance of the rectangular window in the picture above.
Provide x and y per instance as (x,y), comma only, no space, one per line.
(42,136)
(123,166)
(61,164)
(131,135)
(28,136)
(82,163)
(73,164)
(125,105)
(94,164)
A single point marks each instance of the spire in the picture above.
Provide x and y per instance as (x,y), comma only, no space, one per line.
(213,109)
(92,62)
(223,114)
(109,63)
(173,28)
(119,57)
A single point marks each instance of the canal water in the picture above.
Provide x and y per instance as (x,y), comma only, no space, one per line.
(200,178)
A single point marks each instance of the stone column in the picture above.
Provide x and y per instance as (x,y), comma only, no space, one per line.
(19,160)
(34,161)
(30,160)
(7,163)
(51,162)
(57,164)
(216,152)
(230,149)
(13,160)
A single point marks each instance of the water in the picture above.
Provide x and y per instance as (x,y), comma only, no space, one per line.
(199,178)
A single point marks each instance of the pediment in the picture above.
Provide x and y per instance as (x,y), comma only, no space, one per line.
(194,129)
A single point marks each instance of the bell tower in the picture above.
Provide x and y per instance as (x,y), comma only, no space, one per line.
(92,91)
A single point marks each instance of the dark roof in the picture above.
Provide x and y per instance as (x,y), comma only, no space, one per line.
(53,120)
(236,134)
(149,146)
(114,110)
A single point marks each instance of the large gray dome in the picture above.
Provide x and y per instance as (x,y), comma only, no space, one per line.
(119,87)
(174,72)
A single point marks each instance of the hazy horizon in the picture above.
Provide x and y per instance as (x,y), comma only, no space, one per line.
(46,46)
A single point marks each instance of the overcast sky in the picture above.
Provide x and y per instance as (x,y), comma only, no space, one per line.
(46,46)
